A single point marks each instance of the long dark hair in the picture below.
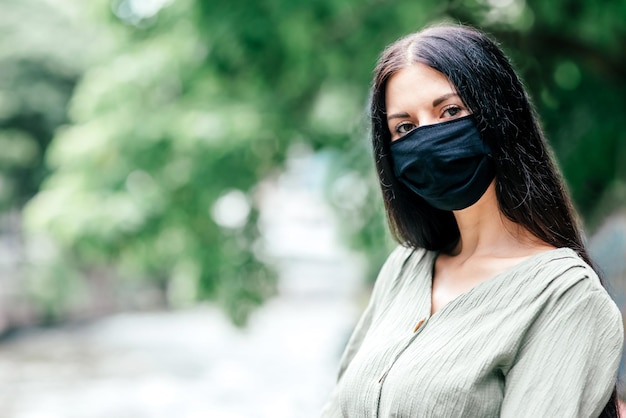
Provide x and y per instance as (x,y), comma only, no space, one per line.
(529,188)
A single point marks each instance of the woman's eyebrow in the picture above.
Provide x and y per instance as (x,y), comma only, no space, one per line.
(442,98)
(436,102)
(398,116)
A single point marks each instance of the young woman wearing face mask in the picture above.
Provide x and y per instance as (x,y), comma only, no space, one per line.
(489,307)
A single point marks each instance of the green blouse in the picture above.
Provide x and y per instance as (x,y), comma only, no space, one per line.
(542,339)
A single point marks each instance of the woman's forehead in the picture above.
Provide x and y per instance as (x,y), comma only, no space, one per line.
(416,83)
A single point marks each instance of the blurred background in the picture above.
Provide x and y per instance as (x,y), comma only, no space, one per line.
(189,216)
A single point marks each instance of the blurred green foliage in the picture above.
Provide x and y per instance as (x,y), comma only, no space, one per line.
(181,103)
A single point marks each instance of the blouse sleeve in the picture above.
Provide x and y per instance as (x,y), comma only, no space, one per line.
(389,272)
(567,365)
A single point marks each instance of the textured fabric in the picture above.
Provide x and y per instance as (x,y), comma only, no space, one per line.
(542,339)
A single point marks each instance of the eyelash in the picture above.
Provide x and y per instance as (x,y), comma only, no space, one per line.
(452,107)
(399,127)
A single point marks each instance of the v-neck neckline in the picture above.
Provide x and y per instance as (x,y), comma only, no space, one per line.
(484,284)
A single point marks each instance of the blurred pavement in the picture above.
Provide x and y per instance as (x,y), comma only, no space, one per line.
(193,363)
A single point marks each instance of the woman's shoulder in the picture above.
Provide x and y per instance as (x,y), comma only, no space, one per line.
(566,268)
(568,278)
(403,262)
(403,257)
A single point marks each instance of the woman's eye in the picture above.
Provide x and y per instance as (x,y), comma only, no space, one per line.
(404,128)
(452,111)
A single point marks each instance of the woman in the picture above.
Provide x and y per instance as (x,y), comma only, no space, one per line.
(489,308)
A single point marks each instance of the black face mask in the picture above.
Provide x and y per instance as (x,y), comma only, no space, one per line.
(447,164)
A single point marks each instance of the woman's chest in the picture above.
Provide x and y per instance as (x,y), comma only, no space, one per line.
(450,366)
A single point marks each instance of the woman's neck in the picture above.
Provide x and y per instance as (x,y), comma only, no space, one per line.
(484,230)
